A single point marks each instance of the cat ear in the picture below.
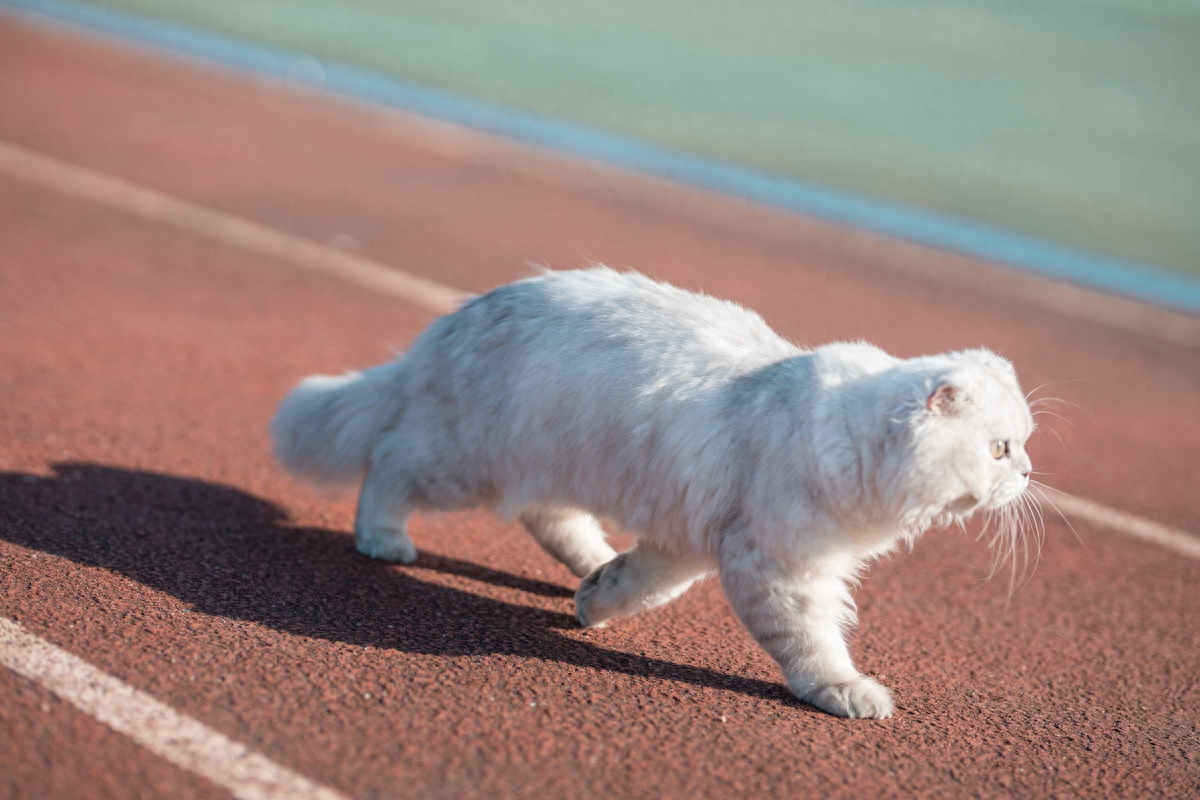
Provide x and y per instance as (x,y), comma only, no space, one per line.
(944,399)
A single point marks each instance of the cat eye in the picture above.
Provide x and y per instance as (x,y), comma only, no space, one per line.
(999,449)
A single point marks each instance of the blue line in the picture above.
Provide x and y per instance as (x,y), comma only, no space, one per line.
(941,231)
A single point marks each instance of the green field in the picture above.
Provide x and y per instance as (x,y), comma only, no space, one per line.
(1076,121)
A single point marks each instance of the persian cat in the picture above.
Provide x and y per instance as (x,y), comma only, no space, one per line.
(686,420)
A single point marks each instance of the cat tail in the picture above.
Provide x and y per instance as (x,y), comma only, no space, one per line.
(327,426)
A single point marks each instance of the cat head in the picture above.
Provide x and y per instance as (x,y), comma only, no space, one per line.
(968,423)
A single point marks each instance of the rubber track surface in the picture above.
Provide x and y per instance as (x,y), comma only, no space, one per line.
(144,528)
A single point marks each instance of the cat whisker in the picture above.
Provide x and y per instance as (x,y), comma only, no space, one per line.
(1033,523)
(993,530)
(1056,435)
(1043,492)
(1029,395)
(1027,525)
(1037,415)
(1038,402)
(1038,410)
(983,531)
(1016,533)
(1031,400)
(1045,412)
(1012,533)
(1022,523)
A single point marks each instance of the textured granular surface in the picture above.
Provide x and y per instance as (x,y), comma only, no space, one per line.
(144,527)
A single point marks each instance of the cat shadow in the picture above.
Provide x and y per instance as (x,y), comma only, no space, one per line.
(230,554)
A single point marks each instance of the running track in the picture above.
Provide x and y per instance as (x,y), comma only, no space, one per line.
(180,246)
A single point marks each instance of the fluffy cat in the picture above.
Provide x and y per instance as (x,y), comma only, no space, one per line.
(688,421)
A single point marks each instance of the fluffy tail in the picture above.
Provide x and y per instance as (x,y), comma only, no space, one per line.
(326,427)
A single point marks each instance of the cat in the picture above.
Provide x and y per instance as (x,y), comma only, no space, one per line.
(722,447)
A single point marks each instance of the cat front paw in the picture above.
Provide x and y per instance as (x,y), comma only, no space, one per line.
(860,698)
(586,612)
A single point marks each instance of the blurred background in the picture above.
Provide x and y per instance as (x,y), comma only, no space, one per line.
(1073,121)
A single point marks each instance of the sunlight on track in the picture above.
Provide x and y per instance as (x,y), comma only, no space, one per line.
(176,737)
(234,231)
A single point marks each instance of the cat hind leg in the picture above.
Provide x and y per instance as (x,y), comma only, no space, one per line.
(381,521)
(573,537)
(637,580)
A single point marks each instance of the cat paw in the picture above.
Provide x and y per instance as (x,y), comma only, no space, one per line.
(860,698)
(586,610)
(385,544)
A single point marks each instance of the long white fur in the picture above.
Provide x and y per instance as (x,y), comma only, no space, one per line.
(689,422)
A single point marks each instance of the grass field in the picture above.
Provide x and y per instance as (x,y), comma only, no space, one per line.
(1077,121)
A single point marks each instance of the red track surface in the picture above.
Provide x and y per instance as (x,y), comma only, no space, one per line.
(144,528)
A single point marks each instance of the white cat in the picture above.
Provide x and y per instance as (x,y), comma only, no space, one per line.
(686,420)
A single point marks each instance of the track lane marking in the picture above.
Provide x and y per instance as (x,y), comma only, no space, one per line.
(1121,522)
(182,740)
(153,206)
(227,229)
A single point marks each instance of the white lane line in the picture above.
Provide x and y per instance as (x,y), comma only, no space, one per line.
(153,206)
(227,229)
(178,738)
(1121,522)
